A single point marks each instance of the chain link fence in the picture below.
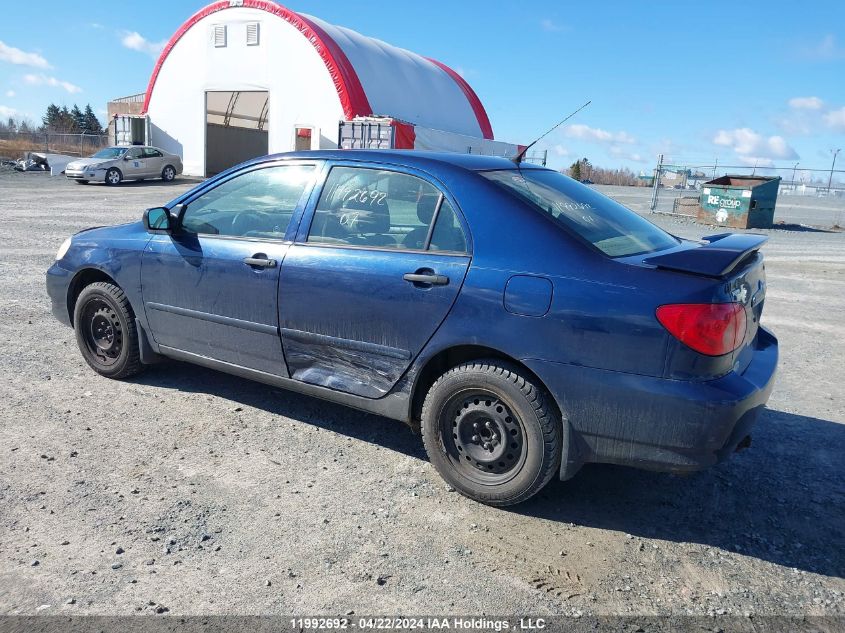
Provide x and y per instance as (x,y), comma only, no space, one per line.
(16,144)
(806,196)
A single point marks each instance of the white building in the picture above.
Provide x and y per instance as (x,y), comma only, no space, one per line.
(243,78)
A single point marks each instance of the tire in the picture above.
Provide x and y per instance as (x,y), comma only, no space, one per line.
(113,176)
(81,182)
(467,414)
(168,174)
(105,331)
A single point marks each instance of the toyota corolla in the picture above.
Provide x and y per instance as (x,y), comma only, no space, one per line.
(523,322)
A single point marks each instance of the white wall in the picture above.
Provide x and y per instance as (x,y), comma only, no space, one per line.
(284,63)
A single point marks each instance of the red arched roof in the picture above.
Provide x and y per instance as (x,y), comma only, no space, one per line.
(352,96)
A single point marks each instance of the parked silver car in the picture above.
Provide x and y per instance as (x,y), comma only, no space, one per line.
(115,164)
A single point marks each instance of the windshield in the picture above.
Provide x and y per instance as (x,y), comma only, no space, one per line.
(615,230)
(110,152)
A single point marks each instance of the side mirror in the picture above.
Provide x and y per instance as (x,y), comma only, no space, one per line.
(158,220)
(126,157)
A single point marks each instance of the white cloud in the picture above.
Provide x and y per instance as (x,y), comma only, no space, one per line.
(137,42)
(22,58)
(825,49)
(753,161)
(7,112)
(550,26)
(560,150)
(750,145)
(806,103)
(10,93)
(44,80)
(620,152)
(597,135)
(835,119)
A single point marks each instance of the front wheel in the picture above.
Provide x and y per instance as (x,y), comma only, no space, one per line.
(168,173)
(113,176)
(105,331)
(491,431)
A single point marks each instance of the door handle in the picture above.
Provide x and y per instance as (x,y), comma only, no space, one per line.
(260,262)
(426,278)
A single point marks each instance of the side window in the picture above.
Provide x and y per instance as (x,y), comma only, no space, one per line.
(133,153)
(447,234)
(259,203)
(151,152)
(373,207)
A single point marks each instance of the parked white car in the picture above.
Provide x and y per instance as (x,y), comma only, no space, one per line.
(112,165)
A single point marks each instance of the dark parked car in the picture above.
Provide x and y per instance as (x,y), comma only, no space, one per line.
(526,323)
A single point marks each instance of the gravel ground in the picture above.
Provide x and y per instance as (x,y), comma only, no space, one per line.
(185,491)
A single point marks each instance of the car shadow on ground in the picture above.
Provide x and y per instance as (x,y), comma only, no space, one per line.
(358,425)
(782,500)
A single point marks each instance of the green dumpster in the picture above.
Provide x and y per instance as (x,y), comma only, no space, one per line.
(742,202)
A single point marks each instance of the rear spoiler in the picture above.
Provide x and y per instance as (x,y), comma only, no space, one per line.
(721,255)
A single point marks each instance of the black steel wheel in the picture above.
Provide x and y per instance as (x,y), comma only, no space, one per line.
(105,330)
(482,437)
(492,432)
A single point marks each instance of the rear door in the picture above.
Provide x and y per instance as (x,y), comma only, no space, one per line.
(154,162)
(211,288)
(377,264)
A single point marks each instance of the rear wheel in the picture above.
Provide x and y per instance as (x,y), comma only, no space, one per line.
(168,173)
(105,331)
(491,432)
(113,176)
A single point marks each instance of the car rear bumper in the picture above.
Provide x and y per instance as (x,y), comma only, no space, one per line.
(654,423)
(58,280)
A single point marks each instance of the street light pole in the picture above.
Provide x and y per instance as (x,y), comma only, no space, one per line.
(832,165)
(793,176)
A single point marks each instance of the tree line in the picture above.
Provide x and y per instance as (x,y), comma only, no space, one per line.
(583,169)
(57,119)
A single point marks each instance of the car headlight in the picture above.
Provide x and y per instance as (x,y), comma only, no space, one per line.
(63,249)
(93,167)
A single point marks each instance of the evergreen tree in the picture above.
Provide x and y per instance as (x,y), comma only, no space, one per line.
(92,123)
(78,119)
(52,117)
(575,170)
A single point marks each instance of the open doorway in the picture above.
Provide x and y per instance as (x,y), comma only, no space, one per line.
(235,128)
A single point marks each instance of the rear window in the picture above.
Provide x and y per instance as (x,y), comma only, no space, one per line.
(613,229)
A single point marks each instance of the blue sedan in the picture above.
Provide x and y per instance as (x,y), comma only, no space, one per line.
(523,322)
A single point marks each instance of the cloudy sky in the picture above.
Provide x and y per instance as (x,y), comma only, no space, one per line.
(747,83)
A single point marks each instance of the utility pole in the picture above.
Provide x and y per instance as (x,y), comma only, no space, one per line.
(793,176)
(656,182)
(832,165)
(714,167)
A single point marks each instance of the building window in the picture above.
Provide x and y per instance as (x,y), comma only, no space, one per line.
(252,29)
(219,35)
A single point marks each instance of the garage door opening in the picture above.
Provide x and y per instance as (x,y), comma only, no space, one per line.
(235,128)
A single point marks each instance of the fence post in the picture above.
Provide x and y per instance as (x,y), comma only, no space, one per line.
(46,142)
(657,173)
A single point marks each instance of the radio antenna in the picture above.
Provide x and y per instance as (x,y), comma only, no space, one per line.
(518,157)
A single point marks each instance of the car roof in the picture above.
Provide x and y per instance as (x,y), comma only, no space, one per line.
(410,158)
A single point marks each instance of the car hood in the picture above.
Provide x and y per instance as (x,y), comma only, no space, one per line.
(84,162)
(118,231)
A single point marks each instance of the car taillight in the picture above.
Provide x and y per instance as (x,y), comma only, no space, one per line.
(709,328)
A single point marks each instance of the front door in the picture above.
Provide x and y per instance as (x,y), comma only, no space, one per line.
(369,279)
(134,164)
(211,288)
